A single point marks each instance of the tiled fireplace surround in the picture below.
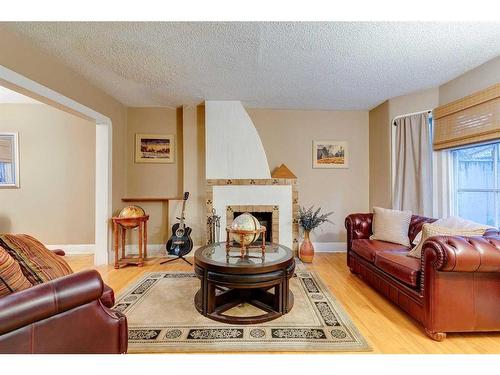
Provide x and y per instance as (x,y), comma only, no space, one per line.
(242,206)
(272,209)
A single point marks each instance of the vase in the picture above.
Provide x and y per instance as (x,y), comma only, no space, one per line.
(306,251)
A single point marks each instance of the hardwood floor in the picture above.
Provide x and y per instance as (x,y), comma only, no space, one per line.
(387,329)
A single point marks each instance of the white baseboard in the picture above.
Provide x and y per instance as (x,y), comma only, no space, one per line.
(80,249)
(319,247)
(330,247)
(159,249)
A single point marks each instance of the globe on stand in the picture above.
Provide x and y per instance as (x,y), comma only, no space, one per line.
(245,221)
(130,212)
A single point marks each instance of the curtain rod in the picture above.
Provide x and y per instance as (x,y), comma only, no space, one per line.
(409,114)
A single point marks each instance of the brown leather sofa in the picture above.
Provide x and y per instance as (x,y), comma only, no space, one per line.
(454,287)
(71,314)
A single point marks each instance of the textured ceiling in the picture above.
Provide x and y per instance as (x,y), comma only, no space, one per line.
(330,65)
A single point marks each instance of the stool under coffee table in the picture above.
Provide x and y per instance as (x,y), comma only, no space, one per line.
(228,280)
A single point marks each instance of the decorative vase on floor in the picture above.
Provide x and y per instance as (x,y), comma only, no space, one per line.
(310,219)
(306,251)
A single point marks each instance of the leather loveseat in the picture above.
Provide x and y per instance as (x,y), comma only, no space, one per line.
(454,287)
(71,314)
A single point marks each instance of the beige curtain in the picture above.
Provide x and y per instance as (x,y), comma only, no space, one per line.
(413,169)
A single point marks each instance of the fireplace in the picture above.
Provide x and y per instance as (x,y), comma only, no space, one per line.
(268,216)
(272,200)
(238,175)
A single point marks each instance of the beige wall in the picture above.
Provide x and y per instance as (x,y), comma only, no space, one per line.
(345,190)
(381,117)
(170,180)
(194,170)
(474,80)
(287,136)
(414,102)
(30,61)
(380,156)
(56,198)
(154,180)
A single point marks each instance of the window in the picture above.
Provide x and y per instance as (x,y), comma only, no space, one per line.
(9,163)
(476,173)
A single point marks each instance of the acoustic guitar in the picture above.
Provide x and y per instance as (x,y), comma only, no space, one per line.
(180,243)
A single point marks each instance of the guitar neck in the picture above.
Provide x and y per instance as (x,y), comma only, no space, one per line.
(181,223)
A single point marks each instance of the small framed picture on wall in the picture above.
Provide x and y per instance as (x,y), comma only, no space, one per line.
(154,148)
(9,160)
(330,154)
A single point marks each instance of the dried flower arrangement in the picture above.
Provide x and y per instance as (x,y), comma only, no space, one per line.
(310,219)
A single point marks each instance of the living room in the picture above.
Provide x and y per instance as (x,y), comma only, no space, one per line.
(249,187)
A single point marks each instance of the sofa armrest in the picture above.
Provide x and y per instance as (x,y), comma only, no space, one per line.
(358,226)
(48,299)
(462,254)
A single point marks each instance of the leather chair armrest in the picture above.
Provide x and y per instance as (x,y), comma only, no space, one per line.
(463,254)
(358,226)
(108,297)
(48,299)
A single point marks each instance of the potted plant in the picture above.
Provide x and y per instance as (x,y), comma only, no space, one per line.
(309,220)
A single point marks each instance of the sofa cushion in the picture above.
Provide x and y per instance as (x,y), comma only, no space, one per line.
(399,266)
(38,263)
(431,230)
(454,222)
(12,278)
(368,248)
(391,225)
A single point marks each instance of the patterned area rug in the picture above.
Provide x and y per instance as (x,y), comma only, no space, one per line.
(162,318)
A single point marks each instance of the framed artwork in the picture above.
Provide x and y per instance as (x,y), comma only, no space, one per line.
(9,160)
(154,148)
(330,154)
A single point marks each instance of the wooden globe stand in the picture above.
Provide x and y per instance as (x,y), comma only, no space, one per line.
(261,232)
(120,227)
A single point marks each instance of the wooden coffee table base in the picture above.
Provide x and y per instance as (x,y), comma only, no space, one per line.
(215,305)
(228,280)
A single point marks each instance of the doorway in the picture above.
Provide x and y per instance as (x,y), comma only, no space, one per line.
(103,142)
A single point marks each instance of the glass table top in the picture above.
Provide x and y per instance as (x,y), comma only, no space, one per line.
(216,254)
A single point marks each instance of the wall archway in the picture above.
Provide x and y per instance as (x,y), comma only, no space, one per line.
(104,132)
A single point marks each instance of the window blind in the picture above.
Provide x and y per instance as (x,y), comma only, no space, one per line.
(5,150)
(473,119)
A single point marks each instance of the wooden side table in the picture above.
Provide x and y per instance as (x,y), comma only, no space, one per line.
(120,226)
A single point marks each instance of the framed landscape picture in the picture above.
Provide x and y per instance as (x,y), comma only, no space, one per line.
(330,154)
(9,160)
(154,148)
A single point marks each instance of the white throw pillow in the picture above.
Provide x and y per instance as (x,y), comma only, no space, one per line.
(430,230)
(391,225)
(453,222)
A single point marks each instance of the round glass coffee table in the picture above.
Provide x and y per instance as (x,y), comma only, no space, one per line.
(228,279)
